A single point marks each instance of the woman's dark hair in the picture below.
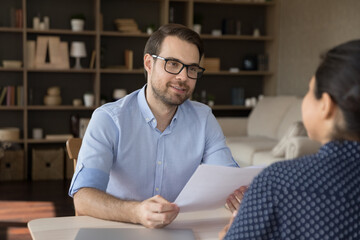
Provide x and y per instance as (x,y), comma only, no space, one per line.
(153,45)
(339,76)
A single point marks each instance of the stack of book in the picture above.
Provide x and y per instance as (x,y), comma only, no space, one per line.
(12,95)
(126,25)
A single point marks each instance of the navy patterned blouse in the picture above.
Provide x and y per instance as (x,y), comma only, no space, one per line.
(313,197)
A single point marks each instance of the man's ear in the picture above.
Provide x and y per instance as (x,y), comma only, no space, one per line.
(148,63)
(327,106)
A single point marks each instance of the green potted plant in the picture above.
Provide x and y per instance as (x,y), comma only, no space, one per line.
(77,22)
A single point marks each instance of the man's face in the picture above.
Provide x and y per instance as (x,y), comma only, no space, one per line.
(168,88)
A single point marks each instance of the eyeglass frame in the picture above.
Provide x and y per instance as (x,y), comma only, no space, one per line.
(183,65)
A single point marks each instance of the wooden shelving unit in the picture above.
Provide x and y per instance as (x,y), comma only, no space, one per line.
(109,44)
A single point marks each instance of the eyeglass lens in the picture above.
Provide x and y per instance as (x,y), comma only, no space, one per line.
(173,66)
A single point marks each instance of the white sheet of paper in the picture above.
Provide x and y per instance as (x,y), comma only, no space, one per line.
(210,186)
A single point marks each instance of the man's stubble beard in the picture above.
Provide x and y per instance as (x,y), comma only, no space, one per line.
(165,97)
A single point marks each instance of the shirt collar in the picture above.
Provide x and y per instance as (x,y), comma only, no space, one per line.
(146,111)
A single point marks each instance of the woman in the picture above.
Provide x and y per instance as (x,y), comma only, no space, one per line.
(316,196)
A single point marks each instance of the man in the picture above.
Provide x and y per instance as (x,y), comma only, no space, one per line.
(139,152)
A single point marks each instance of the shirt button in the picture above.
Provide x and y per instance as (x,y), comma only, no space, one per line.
(157,189)
(154,121)
(159,162)
(147,119)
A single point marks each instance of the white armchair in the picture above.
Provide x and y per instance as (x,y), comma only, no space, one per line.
(271,127)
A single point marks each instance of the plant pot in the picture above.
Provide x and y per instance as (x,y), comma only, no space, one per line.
(77,25)
(197,28)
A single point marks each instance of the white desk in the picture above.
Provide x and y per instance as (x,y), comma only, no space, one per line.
(205,224)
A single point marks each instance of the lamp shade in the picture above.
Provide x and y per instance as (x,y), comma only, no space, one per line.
(78,49)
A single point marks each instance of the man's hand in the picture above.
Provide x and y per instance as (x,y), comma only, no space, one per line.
(156,212)
(226,228)
(234,200)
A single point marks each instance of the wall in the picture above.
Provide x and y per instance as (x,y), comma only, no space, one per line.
(307,29)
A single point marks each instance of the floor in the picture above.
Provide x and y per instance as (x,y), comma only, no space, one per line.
(22,201)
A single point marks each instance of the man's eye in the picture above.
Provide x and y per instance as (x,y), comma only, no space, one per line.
(173,63)
(193,69)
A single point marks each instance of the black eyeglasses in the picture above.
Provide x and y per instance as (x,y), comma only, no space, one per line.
(174,66)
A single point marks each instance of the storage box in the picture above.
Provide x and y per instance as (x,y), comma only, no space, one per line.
(212,64)
(12,165)
(48,164)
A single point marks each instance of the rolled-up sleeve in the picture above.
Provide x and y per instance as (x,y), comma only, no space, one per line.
(96,156)
(216,151)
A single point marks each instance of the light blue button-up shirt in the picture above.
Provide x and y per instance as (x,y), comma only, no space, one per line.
(125,155)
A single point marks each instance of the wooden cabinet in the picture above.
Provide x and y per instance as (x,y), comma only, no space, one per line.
(101,36)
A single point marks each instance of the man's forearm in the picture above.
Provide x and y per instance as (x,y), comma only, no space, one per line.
(95,203)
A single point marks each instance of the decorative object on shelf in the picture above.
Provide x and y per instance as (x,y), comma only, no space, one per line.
(53,97)
(250,102)
(37,133)
(234,70)
(119,93)
(238,27)
(150,29)
(237,96)
(74,124)
(89,99)
(249,63)
(216,32)
(54,48)
(36,23)
(47,22)
(9,134)
(77,102)
(197,28)
(12,63)
(77,22)
(83,123)
(126,25)
(198,21)
(211,100)
(262,60)
(77,51)
(256,32)
(92,60)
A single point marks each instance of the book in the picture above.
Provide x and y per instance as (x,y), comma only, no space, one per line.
(2,95)
(129,59)
(92,60)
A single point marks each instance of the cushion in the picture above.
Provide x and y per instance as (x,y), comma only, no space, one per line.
(267,115)
(295,129)
(293,114)
(243,148)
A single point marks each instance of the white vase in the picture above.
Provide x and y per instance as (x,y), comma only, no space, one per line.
(77,25)
(197,28)
(89,99)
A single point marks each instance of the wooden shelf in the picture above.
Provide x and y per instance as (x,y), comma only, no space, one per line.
(120,34)
(11,108)
(45,141)
(122,71)
(240,73)
(237,2)
(237,37)
(59,108)
(70,70)
(62,32)
(11,30)
(230,107)
(2,69)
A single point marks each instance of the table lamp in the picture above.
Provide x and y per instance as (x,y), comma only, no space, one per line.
(77,51)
